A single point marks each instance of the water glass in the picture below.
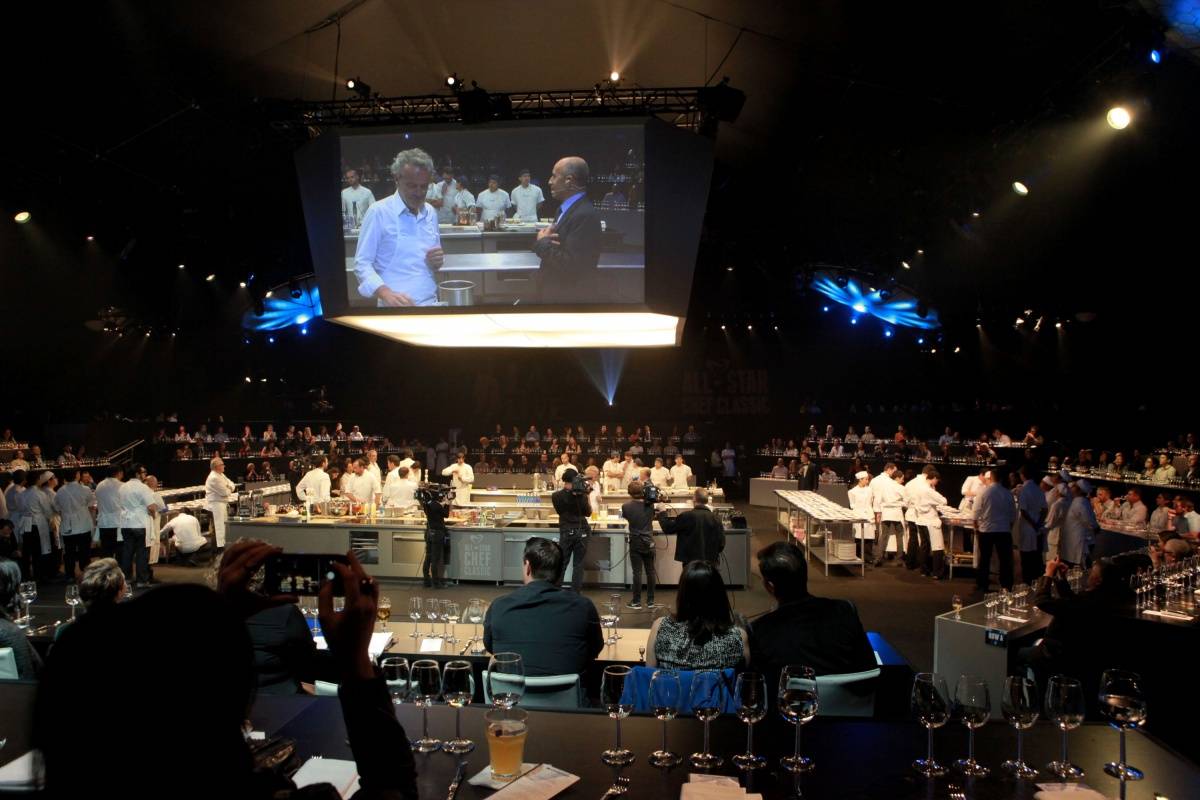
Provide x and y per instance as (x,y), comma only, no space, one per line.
(396,674)
(1020,707)
(1065,707)
(707,699)
(457,692)
(415,614)
(973,706)
(616,696)
(474,613)
(72,597)
(452,618)
(432,610)
(615,599)
(27,591)
(931,705)
(427,685)
(609,620)
(506,679)
(798,702)
(665,694)
(751,695)
(1123,703)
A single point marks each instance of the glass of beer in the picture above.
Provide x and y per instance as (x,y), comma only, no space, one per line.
(506,731)
(384,611)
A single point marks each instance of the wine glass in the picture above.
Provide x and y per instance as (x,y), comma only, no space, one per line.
(474,614)
(931,704)
(616,695)
(427,685)
(973,704)
(506,679)
(608,620)
(798,704)
(664,704)
(751,693)
(1065,708)
(452,618)
(456,690)
(956,603)
(1123,702)
(706,698)
(415,614)
(396,674)
(432,608)
(1020,707)
(615,600)
(444,616)
(27,590)
(72,597)
(383,610)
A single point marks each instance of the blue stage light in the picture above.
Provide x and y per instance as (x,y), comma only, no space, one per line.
(270,340)
(899,310)
(887,334)
(825,308)
(854,320)
(1156,56)
(921,340)
(860,307)
(304,331)
(283,312)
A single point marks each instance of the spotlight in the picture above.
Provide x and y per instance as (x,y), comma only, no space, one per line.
(1020,321)
(825,309)
(887,334)
(1118,118)
(270,340)
(270,293)
(181,266)
(614,76)
(920,252)
(729,269)
(906,265)
(452,80)
(776,327)
(750,328)
(1037,326)
(1020,188)
(242,284)
(21,217)
(247,379)
(294,289)
(722,327)
(979,325)
(933,350)
(957,349)
(91,238)
(1029,312)
(358,87)
(262,380)
(1156,56)
(975,214)
(1058,325)
(860,308)
(854,320)
(212,276)
(304,331)
(920,340)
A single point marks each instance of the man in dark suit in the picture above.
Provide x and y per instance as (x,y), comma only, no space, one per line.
(570,248)
(699,535)
(808,473)
(818,632)
(556,632)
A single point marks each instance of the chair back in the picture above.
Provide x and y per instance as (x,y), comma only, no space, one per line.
(326,689)
(544,691)
(641,677)
(8,664)
(848,694)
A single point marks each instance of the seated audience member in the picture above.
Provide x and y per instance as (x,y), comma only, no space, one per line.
(28,661)
(556,632)
(100,588)
(819,632)
(701,634)
(1170,549)
(1133,510)
(212,655)
(780,470)
(184,531)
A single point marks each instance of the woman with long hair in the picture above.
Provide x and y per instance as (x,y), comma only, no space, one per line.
(702,633)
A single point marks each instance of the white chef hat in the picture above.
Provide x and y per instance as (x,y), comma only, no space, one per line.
(45,476)
(862,473)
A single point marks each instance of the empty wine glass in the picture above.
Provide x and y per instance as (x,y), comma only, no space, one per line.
(1020,706)
(665,695)
(616,695)
(609,620)
(427,685)
(973,705)
(415,614)
(396,674)
(931,704)
(1123,702)
(27,591)
(1065,707)
(473,614)
(72,597)
(444,616)
(452,618)
(707,698)
(383,610)
(456,691)
(798,705)
(751,695)
(506,679)
(615,599)
(432,610)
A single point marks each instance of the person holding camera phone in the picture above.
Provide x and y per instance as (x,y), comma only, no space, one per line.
(572,506)
(639,512)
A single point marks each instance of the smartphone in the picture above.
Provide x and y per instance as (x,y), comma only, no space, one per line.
(302,573)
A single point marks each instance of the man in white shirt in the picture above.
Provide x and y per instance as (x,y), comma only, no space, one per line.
(441,196)
(314,486)
(461,477)
(493,202)
(1133,510)
(356,198)
(399,247)
(630,471)
(76,505)
(138,505)
(527,197)
(12,494)
(184,531)
(373,466)
(18,462)
(108,511)
(681,474)
(362,485)
(218,492)
(660,476)
(399,491)
(564,464)
(946,438)
(613,471)
(463,199)
(887,500)
(1166,470)
(356,434)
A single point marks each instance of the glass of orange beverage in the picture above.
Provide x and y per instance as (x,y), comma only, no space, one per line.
(506,732)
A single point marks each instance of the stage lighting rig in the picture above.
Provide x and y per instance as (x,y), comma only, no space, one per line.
(452,80)
(357,86)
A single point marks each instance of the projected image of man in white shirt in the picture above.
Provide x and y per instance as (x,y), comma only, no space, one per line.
(527,197)
(399,247)
(356,198)
(441,196)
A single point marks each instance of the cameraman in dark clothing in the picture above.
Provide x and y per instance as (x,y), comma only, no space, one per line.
(437,538)
(699,535)
(639,512)
(571,505)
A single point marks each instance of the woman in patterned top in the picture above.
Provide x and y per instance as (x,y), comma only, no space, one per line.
(701,634)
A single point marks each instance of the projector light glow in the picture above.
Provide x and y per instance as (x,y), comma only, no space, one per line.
(545,329)
(899,310)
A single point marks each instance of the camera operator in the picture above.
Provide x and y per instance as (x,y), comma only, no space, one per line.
(436,506)
(639,512)
(572,506)
(699,535)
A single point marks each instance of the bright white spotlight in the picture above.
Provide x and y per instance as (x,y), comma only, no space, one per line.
(242,284)
(975,214)
(906,265)
(1156,56)
(860,308)
(1118,117)
(269,293)
(920,252)
(1058,325)
(212,276)
(451,80)
(1020,320)
(722,327)
(247,379)
(1020,188)
(91,238)
(614,76)
(750,327)
(21,217)
(957,349)
(181,266)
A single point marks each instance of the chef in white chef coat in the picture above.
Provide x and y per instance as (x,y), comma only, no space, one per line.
(356,198)
(860,501)
(218,492)
(461,477)
(681,474)
(613,471)
(887,499)
(527,197)
(660,476)
(398,490)
(463,199)
(972,486)
(314,486)
(928,500)
(493,202)
(441,196)
(1055,517)
(1079,526)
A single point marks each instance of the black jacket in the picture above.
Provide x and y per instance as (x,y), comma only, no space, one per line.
(572,511)
(567,272)
(808,480)
(699,535)
(556,632)
(641,525)
(283,649)
(820,632)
